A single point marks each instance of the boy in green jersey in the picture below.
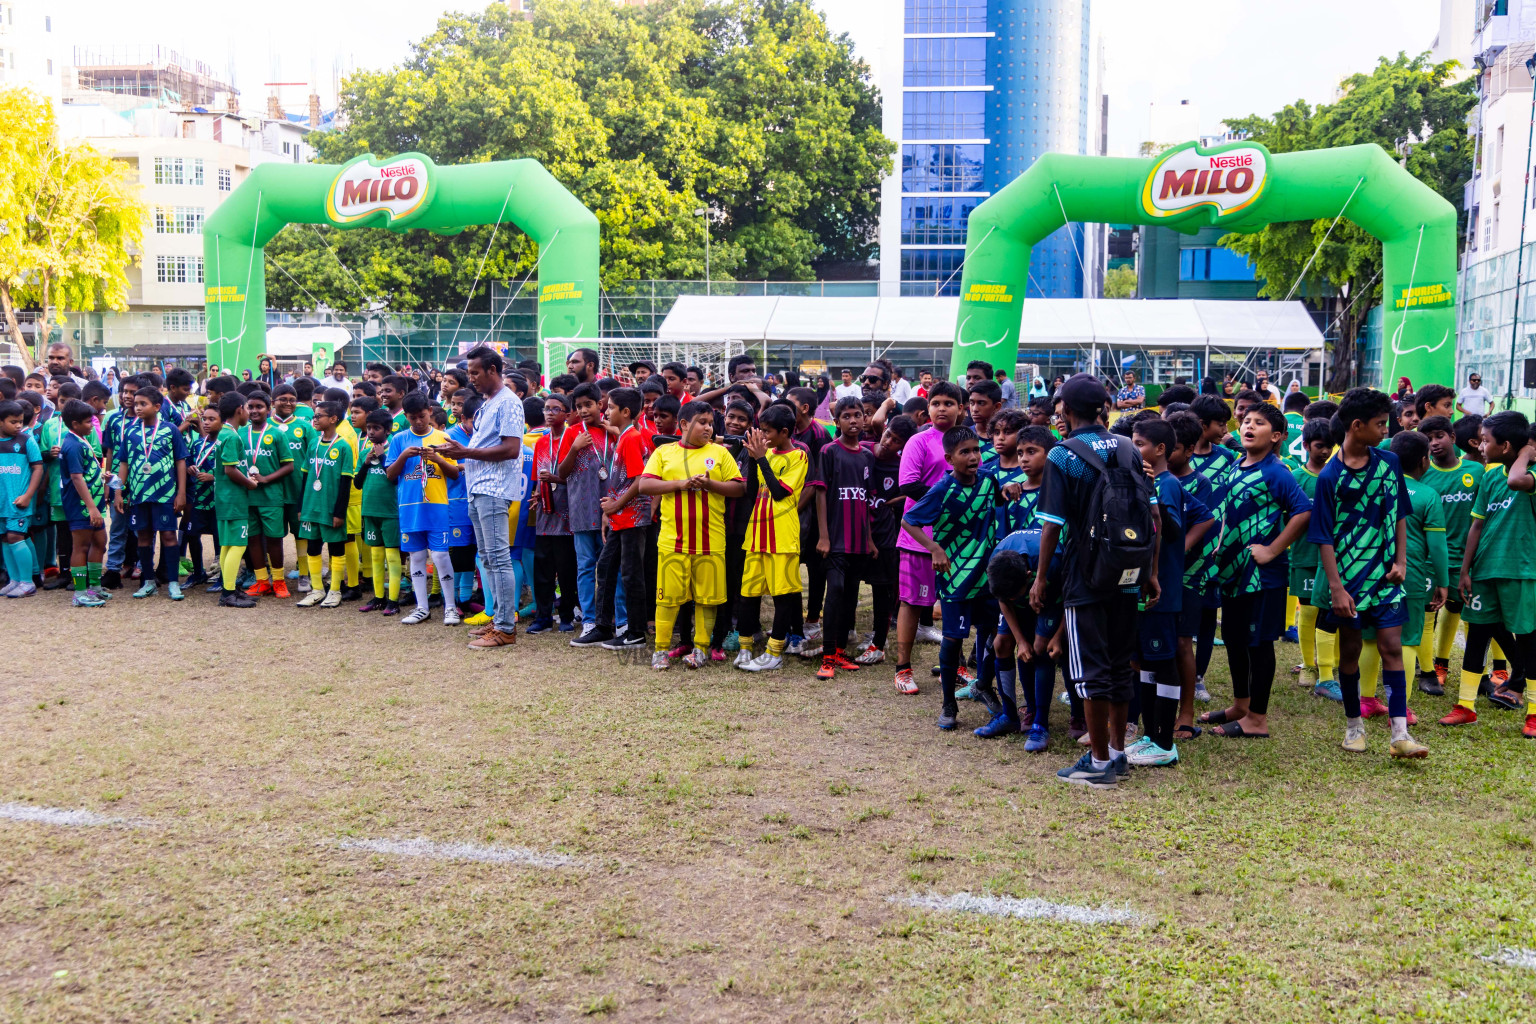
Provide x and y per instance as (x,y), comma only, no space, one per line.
(1498,575)
(1295,454)
(231,493)
(328,470)
(266,447)
(381,515)
(82,500)
(304,394)
(1455,479)
(297,430)
(1317,445)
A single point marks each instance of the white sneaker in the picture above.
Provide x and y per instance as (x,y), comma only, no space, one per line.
(813,632)
(314,598)
(304,585)
(451,615)
(929,635)
(416,617)
(743,658)
(332,600)
(5,591)
(764,663)
(1150,755)
(26,589)
(659,661)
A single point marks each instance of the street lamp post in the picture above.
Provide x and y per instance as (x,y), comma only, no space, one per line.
(703,212)
(1525,203)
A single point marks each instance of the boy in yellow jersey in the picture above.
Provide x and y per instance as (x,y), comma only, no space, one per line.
(691,480)
(781,469)
(1498,576)
(1455,479)
(420,475)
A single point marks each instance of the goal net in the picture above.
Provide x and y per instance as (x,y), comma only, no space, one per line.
(615,355)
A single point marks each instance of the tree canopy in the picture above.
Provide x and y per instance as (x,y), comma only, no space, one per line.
(749,108)
(1402,98)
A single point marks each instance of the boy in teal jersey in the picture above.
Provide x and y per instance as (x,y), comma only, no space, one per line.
(50,440)
(1210,458)
(200,521)
(21,476)
(82,500)
(1498,575)
(1317,661)
(272,464)
(1359,523)
(329,468)
(381,516)
(1007,467)
(984,400)
(153,466)
(1455,479)
(231,494)
(111,443)
(1428,578)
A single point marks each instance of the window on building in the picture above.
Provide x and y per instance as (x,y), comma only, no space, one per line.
(946,15)
(285,147)
(931,271)
(179,220)
(48,27)
(946,62)
(932,221)
(184,321)
(226,179)
(937,167)
(50,66)
(176,170)
(943,115)
(179,269)
(1214,264)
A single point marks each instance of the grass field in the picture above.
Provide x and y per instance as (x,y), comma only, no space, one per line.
(700,846)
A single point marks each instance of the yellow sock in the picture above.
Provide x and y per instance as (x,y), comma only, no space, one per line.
(776,647)
(376,562)
(666,621)
(317,572)
(261,574)
(1370,669)
(1445,632)
(1410,664)
(392,566)
(1495,652)
(1327,645)
(364,558)
(229,565)
(1292,605)
(1470,681)
(351,561)
(1426,648)
(703,624)
(1530,696)
(1306,626)
(432,583)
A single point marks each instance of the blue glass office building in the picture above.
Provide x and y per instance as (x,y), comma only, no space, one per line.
(987,87)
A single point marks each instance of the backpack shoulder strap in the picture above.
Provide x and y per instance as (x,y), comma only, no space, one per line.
(1077,446)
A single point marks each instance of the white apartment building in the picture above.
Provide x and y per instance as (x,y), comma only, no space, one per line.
(29,51)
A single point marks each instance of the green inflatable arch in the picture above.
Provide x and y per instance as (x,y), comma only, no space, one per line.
(403,192)
(1241,187)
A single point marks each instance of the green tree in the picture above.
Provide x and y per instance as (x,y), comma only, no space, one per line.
(1120,282)
(750,108)
(69,220)
(1402,98)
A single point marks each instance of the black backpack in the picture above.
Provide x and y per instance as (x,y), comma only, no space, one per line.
(1117,541)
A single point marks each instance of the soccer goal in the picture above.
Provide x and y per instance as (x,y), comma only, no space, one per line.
(615,354)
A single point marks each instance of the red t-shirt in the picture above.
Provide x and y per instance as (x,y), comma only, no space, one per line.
(629,456)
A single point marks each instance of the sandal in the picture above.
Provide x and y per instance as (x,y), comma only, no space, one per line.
(1233,730)
(1187,732)
(1219,717)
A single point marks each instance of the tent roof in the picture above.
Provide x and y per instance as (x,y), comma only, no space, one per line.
(923,322)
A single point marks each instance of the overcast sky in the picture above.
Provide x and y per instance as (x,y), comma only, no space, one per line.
(1232,58)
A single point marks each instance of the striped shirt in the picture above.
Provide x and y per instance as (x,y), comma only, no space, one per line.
(501,416)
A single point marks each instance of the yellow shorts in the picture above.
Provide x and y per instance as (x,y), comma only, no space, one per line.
(354,519)
(682,577)
(770,573)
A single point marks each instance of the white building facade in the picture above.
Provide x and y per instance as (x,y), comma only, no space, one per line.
(29,51)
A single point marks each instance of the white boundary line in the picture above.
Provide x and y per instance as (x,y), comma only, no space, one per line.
(463,851)
(1511,956)
(1029,909)
(54,815)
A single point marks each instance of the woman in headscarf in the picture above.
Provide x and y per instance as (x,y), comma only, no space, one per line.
(1037,387)
(1404,390)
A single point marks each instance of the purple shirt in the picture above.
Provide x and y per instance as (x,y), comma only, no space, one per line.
(922,462)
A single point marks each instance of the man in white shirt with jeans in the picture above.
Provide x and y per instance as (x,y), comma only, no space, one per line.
(493,469)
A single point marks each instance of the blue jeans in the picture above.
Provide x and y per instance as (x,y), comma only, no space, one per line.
(117,540)
(589,544)
(489,515)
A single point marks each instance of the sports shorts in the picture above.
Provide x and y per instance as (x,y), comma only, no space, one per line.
(1510,603)
(380,531)
(1158,634)
(291,518)
(16,524)
(1303,578)
(234,533)
(323,532)
(681,577)
(424,540)
(1381,616)
(1101,643)
(81,523)
(152,515)
(201,521)
(918,585)
(771,573)
(354,518)
(1413,628)
(461,536)
(1190,612)
(960,614)
(884,570)
(267,521)
(1253,618)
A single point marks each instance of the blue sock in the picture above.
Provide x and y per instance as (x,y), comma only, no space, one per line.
(21,558)
(1007,675)
(464,584)
(147,562)
(1349,686)
(170,562)
(490,594)
(949,669)
(1397,692)
(1045,687)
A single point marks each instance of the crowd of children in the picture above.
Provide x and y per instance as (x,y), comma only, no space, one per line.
(1019,540)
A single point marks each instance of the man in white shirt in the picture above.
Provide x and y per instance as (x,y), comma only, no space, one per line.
(849,388)
(1474,399)
(336,377)
(901,388)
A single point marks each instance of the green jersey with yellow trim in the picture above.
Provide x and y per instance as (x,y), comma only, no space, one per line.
(1457,487)
(1509,529)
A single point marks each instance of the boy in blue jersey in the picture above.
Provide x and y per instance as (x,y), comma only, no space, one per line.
(1210,458)
(21,475)
(1183,522)
(420,475)
(1024,635)
(962,510)
(1359,524)
(119,537)
(153,465)
(1263,513)
(84,496)
(1007,467)
(1319,650)
(1201,597)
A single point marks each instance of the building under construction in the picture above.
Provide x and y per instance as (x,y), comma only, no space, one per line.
(151,75)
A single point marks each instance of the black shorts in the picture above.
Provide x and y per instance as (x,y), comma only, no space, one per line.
(1254,618)
(1190,612)
(200,520)
(1101,643)
(882,571)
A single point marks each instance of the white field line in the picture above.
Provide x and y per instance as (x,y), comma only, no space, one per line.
(1510,956)
(1029,909)
(463,851)
(54,815)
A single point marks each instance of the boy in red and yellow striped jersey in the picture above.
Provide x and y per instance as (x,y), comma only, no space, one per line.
(690,480)
(782,468)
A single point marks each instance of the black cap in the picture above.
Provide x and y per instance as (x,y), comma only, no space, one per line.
(1082,392)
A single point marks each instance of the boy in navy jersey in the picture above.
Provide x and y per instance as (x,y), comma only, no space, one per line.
(844,524)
